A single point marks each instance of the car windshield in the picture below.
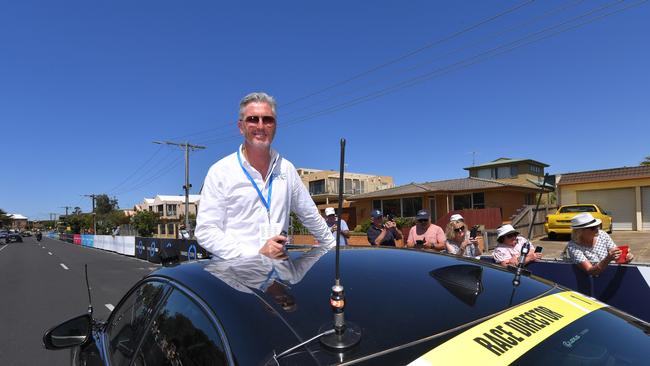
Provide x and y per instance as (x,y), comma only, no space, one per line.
(599,338)
(571,209)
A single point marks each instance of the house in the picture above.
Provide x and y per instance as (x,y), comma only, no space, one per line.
(171,210)
(323,186)
(504,183)
(624,192)
(18,221)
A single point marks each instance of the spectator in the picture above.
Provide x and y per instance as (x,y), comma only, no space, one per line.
(424,234)
(330,219)
(508,250)
(456,217)
(381,233)
(591,248)
(458,241)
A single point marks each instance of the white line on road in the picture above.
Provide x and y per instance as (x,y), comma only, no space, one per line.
(64,267)
(110,307)
(50,253)
(4,247)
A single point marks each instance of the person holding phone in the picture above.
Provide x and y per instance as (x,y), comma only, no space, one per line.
(458,242)
(382,233)
(424,234)
(509,245)
(591,248)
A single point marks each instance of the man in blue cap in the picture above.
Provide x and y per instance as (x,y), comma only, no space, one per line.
(381,233)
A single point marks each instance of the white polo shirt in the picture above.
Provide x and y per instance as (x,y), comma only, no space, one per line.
(231,212)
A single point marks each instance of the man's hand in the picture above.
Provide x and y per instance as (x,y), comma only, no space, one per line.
(274,247)
(390,224)
(334,228)
(614,254)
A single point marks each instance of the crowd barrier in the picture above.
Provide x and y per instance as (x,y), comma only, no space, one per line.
(149,249)
(623,286)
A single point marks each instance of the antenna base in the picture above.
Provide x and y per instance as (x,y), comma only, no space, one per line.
(350,337)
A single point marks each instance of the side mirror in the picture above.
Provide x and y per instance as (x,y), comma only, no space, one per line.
(73,332)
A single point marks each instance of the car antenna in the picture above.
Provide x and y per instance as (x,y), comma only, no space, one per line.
(346,334)
(90,303)
(526,247)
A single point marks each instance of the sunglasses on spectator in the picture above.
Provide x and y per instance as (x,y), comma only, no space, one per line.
(459,229)
(267,120)
(422,221)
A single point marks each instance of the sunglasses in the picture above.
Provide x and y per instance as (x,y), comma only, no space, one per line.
(267,120)
(423,221)
(459,229)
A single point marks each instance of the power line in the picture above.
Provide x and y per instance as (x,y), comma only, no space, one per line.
(137,170)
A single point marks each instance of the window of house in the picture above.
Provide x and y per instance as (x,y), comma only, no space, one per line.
(410,206)
(535,169)
(478,200)
(462,201)
(376,205)
(391,207)
(486,173)
(317,186)
(333,185)
(504,172)
(356,186)
(363,186)
(171,210)
(514,171)
(160,209)
(432,210)
(348,186)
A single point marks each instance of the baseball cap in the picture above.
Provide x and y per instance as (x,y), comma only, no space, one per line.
(330,211)
(422,215)
(376,213)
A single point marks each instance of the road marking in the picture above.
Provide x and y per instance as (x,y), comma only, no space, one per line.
(110,307)
(64,267)
(50,253)
(4,247)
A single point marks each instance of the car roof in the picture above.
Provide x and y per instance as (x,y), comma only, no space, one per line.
(396,297)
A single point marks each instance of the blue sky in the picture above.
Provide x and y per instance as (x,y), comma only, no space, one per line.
(414,86)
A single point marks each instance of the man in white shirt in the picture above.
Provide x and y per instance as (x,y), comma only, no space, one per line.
(248,195)
(331,219)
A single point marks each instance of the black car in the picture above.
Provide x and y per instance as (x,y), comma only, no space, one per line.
(13,238)
(401,306)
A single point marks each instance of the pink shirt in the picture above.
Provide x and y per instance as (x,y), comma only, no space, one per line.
(434,234)
(504,252)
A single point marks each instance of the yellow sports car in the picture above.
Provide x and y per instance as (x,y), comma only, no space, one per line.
(560,222)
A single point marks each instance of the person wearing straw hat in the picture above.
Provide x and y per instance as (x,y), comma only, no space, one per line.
(591,248)
(508,250)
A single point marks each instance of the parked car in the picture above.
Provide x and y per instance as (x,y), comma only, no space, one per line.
(13,238)
(401,306)
(3,234)
(26,233)
(560,221)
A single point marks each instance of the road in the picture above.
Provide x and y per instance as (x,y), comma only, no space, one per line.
(43,284)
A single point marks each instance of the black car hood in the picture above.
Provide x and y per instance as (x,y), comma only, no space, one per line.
(396,296)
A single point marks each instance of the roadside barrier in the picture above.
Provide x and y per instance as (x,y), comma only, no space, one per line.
(624,286)
(149,249)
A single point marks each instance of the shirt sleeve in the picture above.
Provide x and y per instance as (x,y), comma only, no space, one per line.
(501,255)
(575,254)
(411,239)
(372,235)
(440,235)
(607,240)
(304,207)
(210,220)
(344,226)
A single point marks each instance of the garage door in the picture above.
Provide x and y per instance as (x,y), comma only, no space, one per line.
(620,202)
(645,207)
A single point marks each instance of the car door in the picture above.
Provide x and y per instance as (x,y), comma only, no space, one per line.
(183,332)
(130,319)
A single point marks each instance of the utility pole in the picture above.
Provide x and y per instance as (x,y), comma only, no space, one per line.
(186,146)
(66,209)
(94,221)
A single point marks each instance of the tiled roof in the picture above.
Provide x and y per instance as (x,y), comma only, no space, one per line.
(451,185)
(603,175)
(505,161)
(17,216)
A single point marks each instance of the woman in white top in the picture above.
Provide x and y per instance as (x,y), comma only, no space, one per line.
(457,241)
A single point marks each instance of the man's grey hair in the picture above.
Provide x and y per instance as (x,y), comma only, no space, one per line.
(257,97)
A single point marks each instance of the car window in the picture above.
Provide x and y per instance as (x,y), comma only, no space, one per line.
(600,338)
(129,321)
(181,334)
(570,209)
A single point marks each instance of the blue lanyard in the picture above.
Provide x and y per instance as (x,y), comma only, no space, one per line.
(267,201)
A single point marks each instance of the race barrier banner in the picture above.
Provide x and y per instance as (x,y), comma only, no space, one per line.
(148,249)
(87,240)
(191,250)
(623,286)
(76,239)
(140,248)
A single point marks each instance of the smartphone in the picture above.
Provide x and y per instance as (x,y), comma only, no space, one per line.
(419,243)
(473,232)
(538,249)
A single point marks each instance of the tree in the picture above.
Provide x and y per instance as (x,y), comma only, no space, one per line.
(5,220)
(646,161)
(77,211)
(145,222)
(104,204)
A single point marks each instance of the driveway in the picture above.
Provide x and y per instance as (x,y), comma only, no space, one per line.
(639,242)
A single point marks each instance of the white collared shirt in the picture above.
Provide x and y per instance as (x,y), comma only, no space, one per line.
(231,213)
